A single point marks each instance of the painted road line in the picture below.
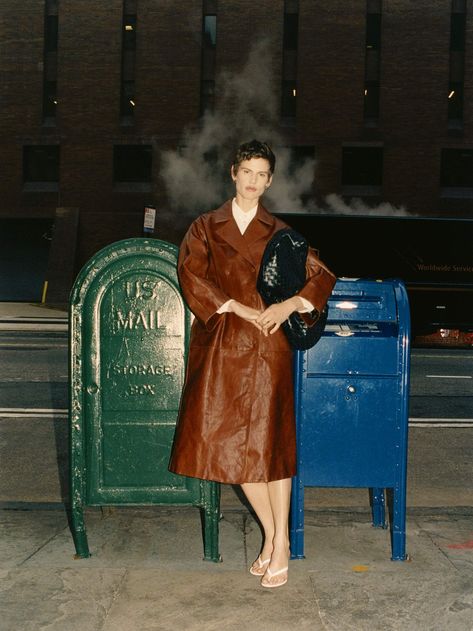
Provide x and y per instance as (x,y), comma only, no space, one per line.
(33,320)
(45,379)
(20,326)
(440,422)
(32,412)
(43,413)
(25,347)
(415,355)
(449,376)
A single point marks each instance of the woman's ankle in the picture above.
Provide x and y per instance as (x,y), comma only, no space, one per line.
(267,549)
(281,541)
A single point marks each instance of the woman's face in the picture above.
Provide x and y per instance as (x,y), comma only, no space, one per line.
(252,178)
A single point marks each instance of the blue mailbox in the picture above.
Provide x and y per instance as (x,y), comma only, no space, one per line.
(352,404)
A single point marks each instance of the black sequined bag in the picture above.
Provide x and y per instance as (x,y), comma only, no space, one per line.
(281,275)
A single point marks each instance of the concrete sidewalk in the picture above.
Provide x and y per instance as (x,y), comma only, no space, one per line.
(146,574)
(26,316)
(146,571)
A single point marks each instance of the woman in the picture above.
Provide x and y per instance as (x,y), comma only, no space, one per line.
(236,422)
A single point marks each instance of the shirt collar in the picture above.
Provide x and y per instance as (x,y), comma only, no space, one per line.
(240,216)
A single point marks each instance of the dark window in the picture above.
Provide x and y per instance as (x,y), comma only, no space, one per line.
(289,62)
(373,31)
(51,33)
(207,77)
(127,98)
(209,31)
(299,155)
(132,163)
(50,62)
(127,85)
(211,157)
(362,166)
(41,163)
(457,31)
(372,63)
(457,168)
(290,31)
(371,103)
(49,99)
(207,96)
(289,99)
(455,101)
(457,66)
(129,32)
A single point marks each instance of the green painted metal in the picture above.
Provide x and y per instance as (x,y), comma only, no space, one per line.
(129,333)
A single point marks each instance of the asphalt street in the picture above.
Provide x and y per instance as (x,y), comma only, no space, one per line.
(34,426)
(34,374)
(441,387)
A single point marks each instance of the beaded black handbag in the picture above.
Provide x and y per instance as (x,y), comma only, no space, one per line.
(281,275)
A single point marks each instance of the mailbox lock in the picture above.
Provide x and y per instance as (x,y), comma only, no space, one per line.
(93,388)
(351,389)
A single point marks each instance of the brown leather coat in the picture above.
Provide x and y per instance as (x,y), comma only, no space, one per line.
(236,422)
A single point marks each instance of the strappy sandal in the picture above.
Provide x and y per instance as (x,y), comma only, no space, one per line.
(259,570)
(270,576)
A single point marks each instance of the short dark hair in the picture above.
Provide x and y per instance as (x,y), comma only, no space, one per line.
(254,149)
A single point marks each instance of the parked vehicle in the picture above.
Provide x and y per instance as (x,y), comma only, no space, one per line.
(434,257)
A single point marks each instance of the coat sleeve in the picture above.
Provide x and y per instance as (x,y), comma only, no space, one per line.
(319,283)
(202,295)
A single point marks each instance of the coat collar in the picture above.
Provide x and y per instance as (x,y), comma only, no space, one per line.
(260,228)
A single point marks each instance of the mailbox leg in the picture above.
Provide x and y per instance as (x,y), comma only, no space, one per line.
(77,484)
(210,494)
(79,534)
(297,519)
(398,533)
(378,508)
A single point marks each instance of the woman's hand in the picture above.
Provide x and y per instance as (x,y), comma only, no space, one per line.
(246,313)
(272,317)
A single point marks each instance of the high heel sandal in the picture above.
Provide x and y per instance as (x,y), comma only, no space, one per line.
(259,570)
(270,576)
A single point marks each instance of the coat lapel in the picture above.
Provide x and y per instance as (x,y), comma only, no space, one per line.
(226,228)
(260,228)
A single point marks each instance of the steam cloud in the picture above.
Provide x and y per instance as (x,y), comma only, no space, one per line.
(197,176)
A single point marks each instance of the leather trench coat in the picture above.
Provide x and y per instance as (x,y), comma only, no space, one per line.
(236,420)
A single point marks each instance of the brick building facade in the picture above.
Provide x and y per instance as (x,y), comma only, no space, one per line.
(379,90)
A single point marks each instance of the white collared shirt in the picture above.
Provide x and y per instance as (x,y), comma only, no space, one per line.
(241,217)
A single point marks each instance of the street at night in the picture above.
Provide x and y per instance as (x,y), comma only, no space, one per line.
(191,192)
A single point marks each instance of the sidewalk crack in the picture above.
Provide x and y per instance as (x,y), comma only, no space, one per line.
(114,598)
(436,545)
(245,531)
(43,545)
(317,605)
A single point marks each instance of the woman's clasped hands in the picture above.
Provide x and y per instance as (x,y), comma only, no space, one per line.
(269,320)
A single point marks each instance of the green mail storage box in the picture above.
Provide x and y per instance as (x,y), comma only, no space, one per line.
(129,332)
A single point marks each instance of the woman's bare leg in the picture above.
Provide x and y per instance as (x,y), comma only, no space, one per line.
(257,494)
(271,502)
(280,496)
